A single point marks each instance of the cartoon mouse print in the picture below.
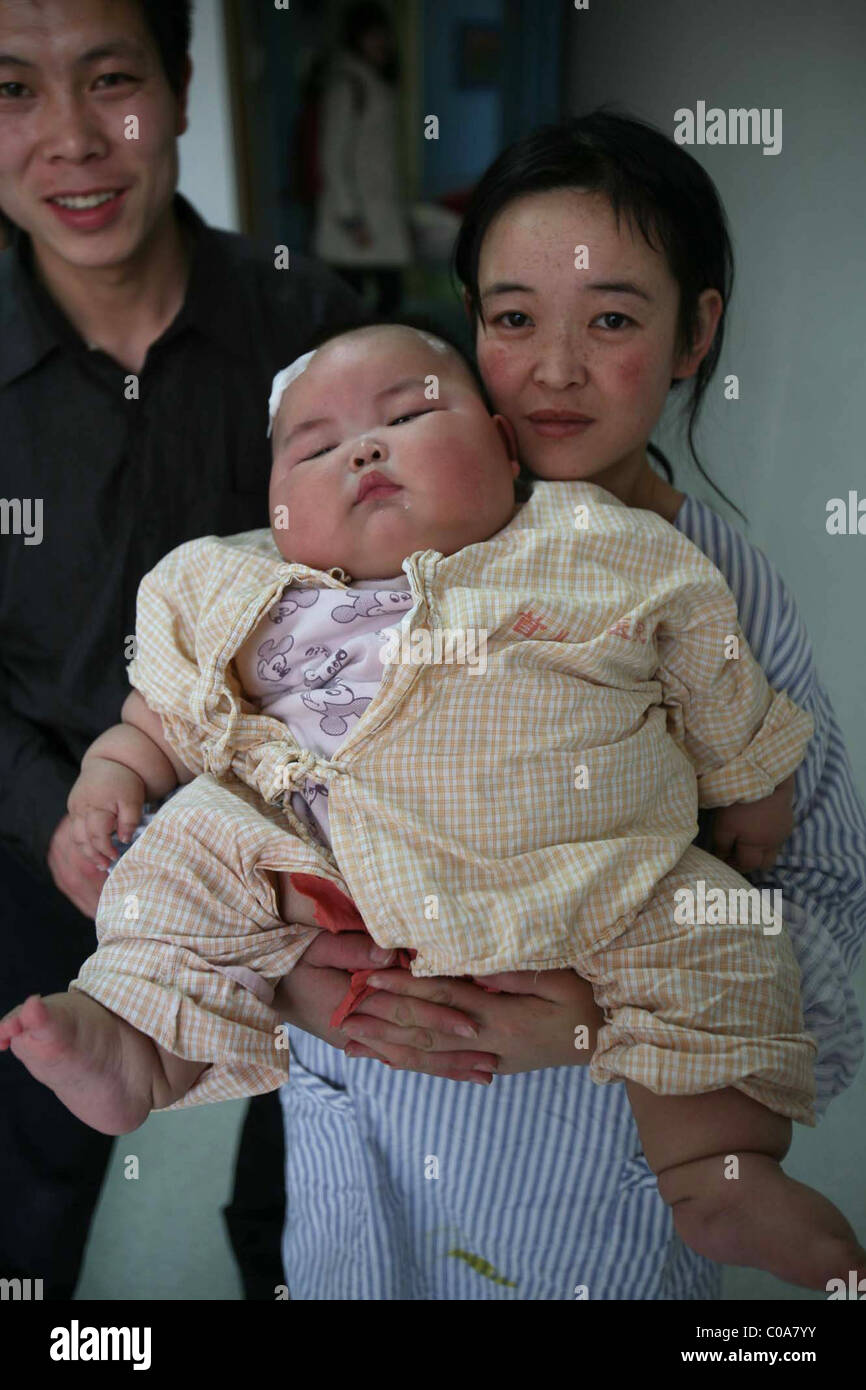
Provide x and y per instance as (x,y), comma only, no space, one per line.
(373,605)
(335,703)
(326,671)
(313,791)
(272,664)
(291,601)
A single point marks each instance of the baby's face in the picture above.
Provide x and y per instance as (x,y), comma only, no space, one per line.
(359,415)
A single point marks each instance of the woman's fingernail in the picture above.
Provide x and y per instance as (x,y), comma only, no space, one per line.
(484,1066)
(379,956)
(466,1030)
(480,1081)
(374,982)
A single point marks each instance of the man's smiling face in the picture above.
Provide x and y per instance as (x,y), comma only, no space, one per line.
(372,470)
(72,74)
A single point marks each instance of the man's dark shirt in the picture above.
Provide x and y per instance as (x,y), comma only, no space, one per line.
(122,482)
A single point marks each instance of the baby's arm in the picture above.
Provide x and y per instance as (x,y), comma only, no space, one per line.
(749,835)
(128,764)
(743,738)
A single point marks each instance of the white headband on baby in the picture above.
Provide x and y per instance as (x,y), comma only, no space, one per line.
(300,364)
(284,379)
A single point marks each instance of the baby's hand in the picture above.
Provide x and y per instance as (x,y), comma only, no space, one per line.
(106,795)
(749,835)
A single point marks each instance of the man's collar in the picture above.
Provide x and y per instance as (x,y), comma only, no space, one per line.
(215,303)
(32,325)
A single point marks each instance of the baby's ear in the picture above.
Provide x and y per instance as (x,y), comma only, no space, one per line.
(508,437)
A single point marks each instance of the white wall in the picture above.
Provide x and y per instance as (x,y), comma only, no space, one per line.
(796,333)
(207,172)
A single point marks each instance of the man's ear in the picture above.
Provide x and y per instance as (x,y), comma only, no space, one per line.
(509,440)
(183,97)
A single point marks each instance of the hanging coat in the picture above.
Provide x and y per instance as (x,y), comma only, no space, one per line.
(358,169)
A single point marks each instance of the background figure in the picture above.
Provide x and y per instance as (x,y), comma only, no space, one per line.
(361,221)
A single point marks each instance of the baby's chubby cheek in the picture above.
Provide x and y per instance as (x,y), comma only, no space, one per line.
(280,517)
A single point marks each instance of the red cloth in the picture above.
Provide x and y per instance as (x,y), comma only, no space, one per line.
(336,912)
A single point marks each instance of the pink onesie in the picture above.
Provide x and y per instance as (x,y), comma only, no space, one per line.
(313,663)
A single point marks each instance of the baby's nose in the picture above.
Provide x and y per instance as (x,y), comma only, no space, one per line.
(369,451)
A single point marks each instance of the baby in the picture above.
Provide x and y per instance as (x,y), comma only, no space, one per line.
(534,809)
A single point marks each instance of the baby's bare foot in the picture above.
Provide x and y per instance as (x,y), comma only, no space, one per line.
(762,1219)
(83,1052)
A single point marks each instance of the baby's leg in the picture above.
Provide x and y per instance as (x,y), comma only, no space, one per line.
(293,906)
(102,1068)
(717,1158)
(188,950)
(705,1026)
(106,1071)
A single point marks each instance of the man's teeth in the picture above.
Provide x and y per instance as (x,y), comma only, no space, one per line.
(88,200)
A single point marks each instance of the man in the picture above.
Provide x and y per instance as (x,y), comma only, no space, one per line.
(137,348)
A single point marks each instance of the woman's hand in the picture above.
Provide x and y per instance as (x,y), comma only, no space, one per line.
(411,1024)
(309,994)
(534,1024)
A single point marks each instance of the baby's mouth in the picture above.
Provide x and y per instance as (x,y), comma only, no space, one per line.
(375,485)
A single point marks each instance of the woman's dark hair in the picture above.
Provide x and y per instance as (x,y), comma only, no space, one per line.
(361,19)
(170,24)
(524,480)
(659,188)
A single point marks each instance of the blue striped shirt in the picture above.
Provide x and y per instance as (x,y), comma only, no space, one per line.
(406,1186)
(822,868)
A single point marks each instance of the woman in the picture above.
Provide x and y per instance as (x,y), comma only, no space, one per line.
(361,225)
(405,1186)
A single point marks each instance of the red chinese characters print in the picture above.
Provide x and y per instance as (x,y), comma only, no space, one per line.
(630,630)
(527,625)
